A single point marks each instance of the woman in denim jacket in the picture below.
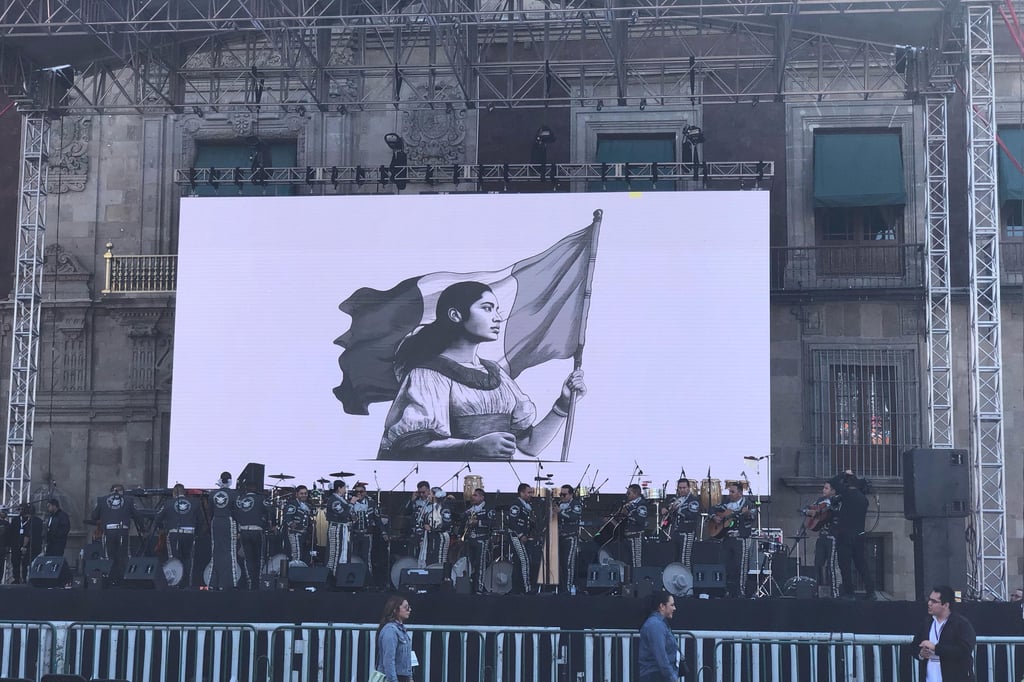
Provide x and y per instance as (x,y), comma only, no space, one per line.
(394,643)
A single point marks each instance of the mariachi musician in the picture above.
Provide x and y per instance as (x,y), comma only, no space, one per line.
(181,519)
(113,515)
(570,521)
(476,534)
(339,519)
(434,525)
(224,538)
(682,516)
(298,525)
(820,517)
(252,515)
(734,521)
(522,532)
(366,523)
(635,513)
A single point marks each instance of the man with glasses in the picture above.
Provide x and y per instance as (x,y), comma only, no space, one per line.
(570,520)
(476,524)
(944,646)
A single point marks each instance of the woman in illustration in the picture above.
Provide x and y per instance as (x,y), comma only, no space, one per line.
(453,405)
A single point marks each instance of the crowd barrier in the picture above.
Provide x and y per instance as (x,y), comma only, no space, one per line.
(325,652)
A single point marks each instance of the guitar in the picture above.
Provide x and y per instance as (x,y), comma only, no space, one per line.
(818,514)
(720,522)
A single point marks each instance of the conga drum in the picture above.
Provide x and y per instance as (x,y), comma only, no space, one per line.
(469,484)
(710,493)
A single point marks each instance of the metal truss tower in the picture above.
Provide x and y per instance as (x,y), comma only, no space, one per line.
(989,486)
(21,407)
(940,351)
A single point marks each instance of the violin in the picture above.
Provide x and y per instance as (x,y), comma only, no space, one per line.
(818,514)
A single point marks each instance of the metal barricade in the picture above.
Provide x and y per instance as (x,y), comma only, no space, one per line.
(26,649)
(163,652)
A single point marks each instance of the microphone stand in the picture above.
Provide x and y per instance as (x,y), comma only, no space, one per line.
(415,469)
(455,475)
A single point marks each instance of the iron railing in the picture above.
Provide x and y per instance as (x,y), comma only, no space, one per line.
(153,274)
(867,266)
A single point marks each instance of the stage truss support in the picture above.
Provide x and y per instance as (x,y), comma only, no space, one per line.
(21,405)
(989,486)
(940,351)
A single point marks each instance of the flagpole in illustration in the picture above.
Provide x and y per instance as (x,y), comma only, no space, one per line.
(578,355)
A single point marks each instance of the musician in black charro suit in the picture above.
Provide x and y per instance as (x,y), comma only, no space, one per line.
(476,525)
(252,515)
(820,518)
(635,523)
(683,516)
(738,515)
(522,529)
(570,521)
(182,519)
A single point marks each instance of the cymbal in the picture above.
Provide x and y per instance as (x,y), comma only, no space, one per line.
(323,480)
(542,478)
(341,474)
(281,477)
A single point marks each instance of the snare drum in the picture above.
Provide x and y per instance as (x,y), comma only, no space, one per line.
(469,484)
(710,494)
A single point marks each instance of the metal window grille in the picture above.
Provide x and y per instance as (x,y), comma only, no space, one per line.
(866,410)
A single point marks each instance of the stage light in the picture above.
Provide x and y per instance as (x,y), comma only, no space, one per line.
(604,172)
(428,175)
(301,110)
(198,112)
(383,174)
(213,182)
(643,103)
(360,175)
(654,174)
(539,151)
(238,179)
(504,175)
(334,176)
(456,174)
(628,172)
(760,171)
(490,106)
(399,159)
(309,175)
(600,104)
(192,178)
(694,135)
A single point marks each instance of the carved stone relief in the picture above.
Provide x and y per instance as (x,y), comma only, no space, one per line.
(64,276)
(144,340)
(435,134)
(69,167)
(74,358)
(239,123)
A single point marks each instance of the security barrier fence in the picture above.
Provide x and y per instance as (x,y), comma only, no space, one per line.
(325,652)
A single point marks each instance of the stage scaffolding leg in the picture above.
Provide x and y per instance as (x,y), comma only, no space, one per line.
(21,402)
(989,488)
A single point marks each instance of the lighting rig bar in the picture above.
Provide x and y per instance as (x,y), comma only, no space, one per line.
(752,172)
(48,18)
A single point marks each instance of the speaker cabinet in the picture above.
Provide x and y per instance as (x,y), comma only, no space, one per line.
(251,477)
(48,571)
(936,483)
(940,554)
(144,572)
(350,576)
(709,579)
(604,575)
(303,577)
(708,552)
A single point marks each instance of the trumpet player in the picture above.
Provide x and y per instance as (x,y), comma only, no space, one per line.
(435,525)
(682,517)
(476,524)
(635,511)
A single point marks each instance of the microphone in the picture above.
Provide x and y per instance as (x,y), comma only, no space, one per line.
(540,464)
(469,468)
(743,474)
(417,467)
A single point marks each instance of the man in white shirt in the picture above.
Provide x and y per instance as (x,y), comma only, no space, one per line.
(945,644)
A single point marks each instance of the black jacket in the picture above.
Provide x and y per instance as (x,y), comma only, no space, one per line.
(955,648)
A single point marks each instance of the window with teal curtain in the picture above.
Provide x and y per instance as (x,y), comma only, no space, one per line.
(858,168)
(639,148)
(1011,183)
(219,154)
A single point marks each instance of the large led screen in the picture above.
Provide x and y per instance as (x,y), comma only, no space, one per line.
(433,336)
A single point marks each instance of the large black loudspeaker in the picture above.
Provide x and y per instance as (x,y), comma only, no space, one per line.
(144,572)
(48,571)
(420,580)
(604,575)
(350,576)
(251,477)
(936,483)
(940,554)
(709,579)
(302,577)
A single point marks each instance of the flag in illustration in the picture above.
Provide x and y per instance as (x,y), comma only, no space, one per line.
(547,319)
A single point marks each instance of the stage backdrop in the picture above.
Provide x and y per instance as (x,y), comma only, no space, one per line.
(289,311)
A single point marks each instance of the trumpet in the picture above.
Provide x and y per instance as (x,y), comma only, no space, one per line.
(470,523)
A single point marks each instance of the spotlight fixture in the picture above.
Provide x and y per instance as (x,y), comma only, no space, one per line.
(539,151)
(456,174)
(192,178)
(198,112)
(694,135)
(643,103)
(600,104)
(213,180)
(360,175)
(334,176)
(428,175)
(238,179)
(301,110)
(309,175)
(490,106)
(399,159)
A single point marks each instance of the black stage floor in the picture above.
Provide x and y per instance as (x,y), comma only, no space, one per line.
(580,612)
